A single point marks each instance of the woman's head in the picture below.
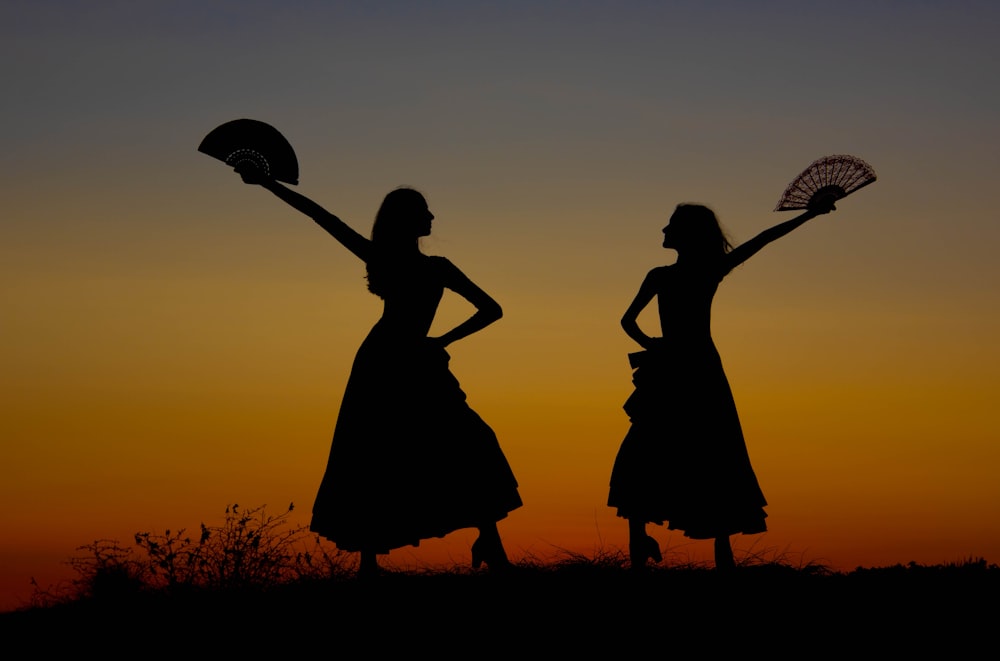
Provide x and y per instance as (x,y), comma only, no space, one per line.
(400,222)
(402,219)
(693,228)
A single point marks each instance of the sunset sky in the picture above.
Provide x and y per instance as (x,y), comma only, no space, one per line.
(174,340)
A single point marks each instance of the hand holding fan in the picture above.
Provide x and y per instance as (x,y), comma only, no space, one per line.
(825,181)
(248,144)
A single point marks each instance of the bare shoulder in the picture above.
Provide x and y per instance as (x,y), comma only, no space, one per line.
(659,273)
(440,262)
(445,270)
(442,265)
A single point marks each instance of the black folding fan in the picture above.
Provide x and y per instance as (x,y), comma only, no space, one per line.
(244,141)
(826,180)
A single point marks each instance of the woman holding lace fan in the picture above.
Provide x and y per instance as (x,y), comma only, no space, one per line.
(409,460)
(684,460)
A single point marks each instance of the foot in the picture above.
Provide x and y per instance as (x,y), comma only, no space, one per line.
(489,551)
(642,549)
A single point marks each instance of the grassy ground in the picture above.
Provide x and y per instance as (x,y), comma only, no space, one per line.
(255,585)
(576,607)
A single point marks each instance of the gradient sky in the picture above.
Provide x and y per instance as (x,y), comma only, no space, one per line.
(174,341)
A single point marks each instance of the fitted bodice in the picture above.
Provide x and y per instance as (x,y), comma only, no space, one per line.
(411,301)
(684,301)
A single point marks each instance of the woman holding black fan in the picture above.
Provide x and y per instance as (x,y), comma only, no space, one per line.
(409,460)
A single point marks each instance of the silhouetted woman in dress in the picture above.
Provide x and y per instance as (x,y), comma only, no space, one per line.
(409,460)
(684,460)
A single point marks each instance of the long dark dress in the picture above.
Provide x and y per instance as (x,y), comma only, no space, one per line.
(684,460)
(410,459)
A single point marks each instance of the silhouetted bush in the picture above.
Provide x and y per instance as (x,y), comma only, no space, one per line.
(251,550)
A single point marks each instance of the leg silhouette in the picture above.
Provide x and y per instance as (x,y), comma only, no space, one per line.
(488,548)
(641,547)
(369,565)
(724,561)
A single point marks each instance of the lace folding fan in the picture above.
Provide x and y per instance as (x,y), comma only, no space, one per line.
(825,181)
(243,141)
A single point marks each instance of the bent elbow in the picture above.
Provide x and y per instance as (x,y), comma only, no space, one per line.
(489,311)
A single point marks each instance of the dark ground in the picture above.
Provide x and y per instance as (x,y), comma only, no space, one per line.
(777,611)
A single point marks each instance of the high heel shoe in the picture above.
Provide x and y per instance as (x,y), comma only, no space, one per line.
(643,549)
(491,552)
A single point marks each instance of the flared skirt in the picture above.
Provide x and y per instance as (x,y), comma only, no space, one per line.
(684,460)
(410,459)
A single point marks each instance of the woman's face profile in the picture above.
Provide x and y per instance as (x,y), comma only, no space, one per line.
(670,234)
(422,218)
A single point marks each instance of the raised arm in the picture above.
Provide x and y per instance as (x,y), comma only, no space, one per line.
(647,291)
(337,228)
(748,249)
(487,309)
